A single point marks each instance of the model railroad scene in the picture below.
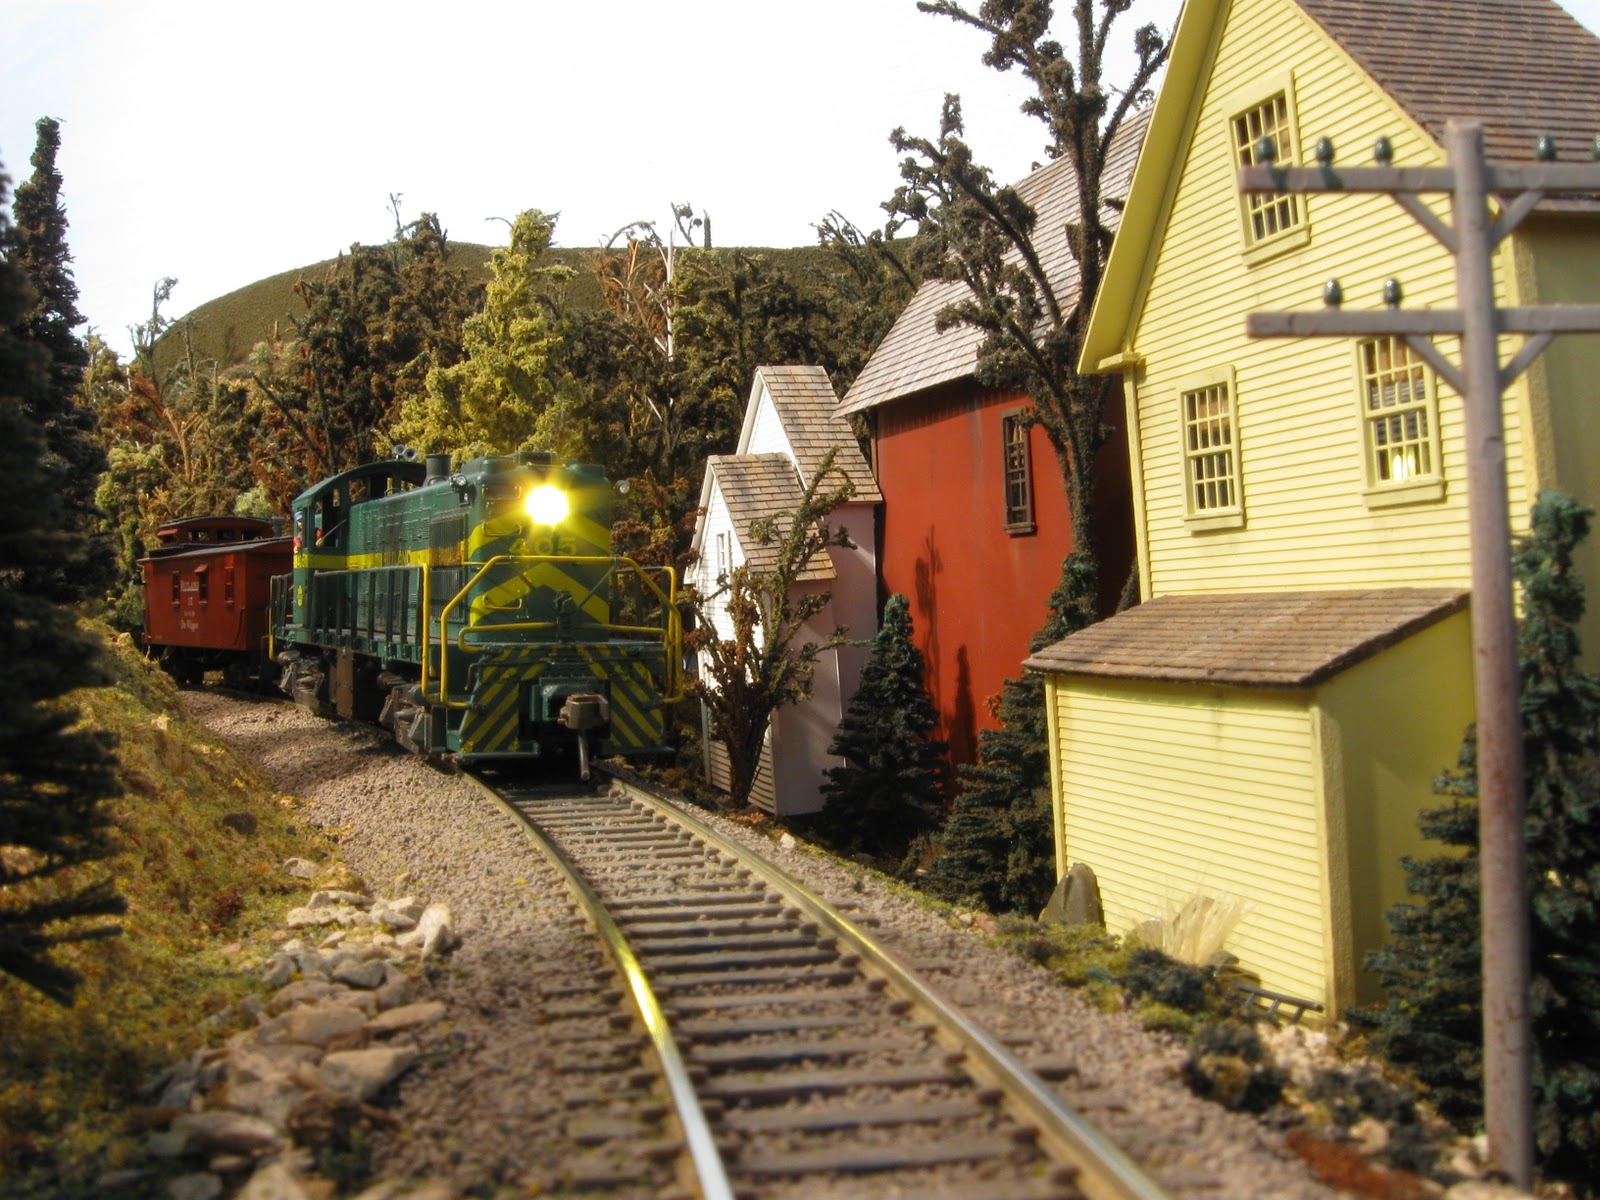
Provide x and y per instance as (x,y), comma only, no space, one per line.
(1086,691)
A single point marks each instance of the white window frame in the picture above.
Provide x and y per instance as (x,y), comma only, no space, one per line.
(1292,210)
(1199,447)
(1402,465)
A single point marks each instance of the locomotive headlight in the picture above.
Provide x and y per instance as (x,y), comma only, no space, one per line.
(547,505)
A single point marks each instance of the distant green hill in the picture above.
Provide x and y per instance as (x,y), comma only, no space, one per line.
(227,328)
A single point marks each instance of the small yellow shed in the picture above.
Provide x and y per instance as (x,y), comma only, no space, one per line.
(1274,747)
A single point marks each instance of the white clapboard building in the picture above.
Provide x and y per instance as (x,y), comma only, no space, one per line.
(789,427)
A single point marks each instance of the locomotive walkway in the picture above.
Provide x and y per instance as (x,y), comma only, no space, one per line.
(799,1058)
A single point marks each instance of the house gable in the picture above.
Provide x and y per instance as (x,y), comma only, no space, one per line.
(916,354)
(1525,67)
(1324,498)
(791,411)
(788,430)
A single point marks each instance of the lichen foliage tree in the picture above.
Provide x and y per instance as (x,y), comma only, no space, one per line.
(53,773)
(891,786)
(767,661)
(982,235)
(177,440)
(1431,968)
(374,327)
(508,391)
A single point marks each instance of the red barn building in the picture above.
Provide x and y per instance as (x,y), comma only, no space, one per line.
(975,522)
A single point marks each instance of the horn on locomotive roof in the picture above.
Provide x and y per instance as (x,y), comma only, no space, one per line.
(405,453)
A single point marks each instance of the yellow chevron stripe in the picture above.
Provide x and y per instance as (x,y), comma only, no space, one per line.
(591,531)
(491,723)
(539,575)
(494,529)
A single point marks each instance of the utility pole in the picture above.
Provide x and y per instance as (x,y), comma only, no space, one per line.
(1480,380)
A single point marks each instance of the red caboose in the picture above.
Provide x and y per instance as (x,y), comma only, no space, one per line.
(206,588)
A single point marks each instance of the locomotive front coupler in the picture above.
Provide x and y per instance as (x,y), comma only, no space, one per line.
(581,712)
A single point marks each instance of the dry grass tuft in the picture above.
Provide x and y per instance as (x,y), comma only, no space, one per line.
(1196,930)
(70,1078)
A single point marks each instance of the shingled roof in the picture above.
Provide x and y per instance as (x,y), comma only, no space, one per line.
(914,355)
(805,400)
(755,486)
(1523,67)
(1256,639)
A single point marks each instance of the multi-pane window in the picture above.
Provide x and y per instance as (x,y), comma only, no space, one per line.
(1268,214)
(1018,474)
(1398,413)
(1210,450)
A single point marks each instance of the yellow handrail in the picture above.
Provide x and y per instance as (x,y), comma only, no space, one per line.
(671,632)
(422,619)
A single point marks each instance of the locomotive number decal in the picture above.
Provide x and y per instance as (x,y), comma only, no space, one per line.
(549,543)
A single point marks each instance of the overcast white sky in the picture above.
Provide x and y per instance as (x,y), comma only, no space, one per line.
(220,142)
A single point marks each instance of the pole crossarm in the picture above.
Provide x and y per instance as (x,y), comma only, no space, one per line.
(1499,179)
(1564,318)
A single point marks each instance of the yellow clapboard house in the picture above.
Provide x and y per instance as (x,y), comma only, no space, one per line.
(1269,722)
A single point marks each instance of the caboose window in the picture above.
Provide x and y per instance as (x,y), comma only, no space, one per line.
(202,578)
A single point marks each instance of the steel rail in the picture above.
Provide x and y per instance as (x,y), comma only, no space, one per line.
(711,1174)
(1105,1170)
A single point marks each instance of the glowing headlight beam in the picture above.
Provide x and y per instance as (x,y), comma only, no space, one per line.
(547,505)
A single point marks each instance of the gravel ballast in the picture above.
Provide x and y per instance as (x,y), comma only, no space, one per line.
(487,1105)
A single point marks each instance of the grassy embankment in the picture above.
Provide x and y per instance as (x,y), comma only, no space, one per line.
(201,839)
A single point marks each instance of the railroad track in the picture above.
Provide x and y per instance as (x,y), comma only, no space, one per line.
(799,1058)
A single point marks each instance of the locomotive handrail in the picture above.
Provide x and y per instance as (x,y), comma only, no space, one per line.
(534,626)
(671,631)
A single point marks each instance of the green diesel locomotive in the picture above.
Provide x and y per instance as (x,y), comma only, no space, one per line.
(477,612)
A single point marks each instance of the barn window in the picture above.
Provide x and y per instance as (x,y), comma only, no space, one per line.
(1211,453)
(1018,469)
(1272,221)
(1400,423)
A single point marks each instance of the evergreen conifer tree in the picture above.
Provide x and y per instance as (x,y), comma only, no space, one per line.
(891,786)
(53,774)
(1431,968)
(999,849)
(73,458)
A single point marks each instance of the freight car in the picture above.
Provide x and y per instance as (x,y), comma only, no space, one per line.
(477,612)
(206,586)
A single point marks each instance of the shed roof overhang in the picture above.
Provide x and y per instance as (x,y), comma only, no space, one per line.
(1251,639)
